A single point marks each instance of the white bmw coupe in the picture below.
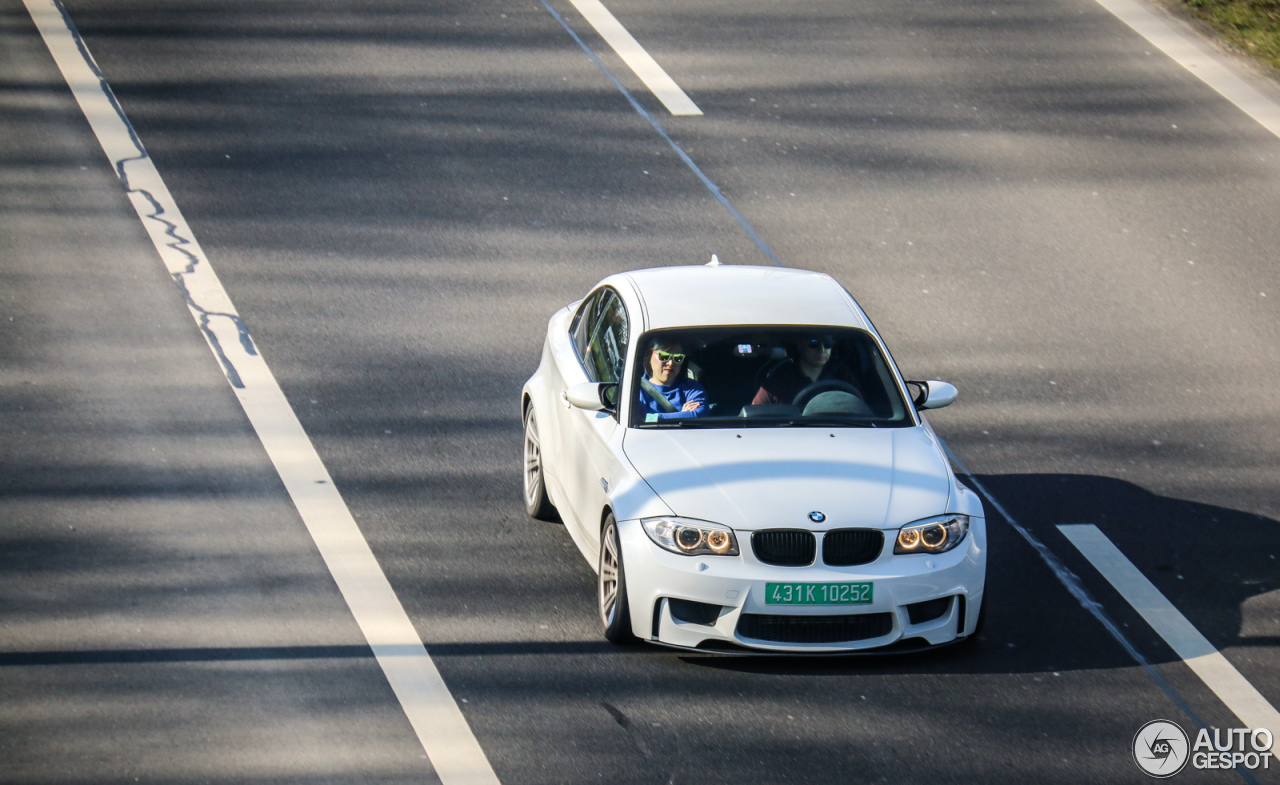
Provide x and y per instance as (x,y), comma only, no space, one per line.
(737,454)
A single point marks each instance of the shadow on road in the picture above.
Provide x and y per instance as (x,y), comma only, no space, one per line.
(1216,565)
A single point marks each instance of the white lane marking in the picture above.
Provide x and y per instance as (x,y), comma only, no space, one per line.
(1073,584)
(1191,55)
(634,55)
(1207,662)
(431,709)
(653,121)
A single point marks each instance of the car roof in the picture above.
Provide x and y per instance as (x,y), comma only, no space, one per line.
(738,294)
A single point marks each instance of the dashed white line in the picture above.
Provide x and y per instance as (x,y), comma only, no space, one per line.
(1241,697)
(636,58)
(1199,61)
(431,709)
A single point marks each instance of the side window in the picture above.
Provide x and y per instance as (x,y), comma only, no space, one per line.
(600,334)
(581,329)
(608,348)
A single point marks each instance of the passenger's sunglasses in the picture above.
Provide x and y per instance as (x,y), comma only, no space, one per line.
(826,342)
(668,357)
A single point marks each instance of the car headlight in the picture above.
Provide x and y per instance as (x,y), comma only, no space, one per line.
(690,537)
(932,535)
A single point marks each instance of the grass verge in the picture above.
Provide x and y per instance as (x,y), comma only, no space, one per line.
(1252,26)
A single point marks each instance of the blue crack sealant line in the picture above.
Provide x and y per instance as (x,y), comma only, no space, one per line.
(1075,586)
(1068,578)
(653,121)
(170,228)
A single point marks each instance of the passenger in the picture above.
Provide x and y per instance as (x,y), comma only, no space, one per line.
(811,364)
(665,393)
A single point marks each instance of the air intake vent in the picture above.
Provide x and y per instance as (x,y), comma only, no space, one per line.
(694,612)
(815,629)
(847,547)
(921,612)
(784,547)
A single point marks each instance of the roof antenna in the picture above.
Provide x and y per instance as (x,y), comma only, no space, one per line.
(715,261)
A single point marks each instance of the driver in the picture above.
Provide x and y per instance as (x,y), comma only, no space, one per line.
(665,393)
(811,364)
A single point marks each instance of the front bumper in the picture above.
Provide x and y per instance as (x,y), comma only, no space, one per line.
(720,600)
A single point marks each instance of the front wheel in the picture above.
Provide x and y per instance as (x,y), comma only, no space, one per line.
(536,501)
(615,614)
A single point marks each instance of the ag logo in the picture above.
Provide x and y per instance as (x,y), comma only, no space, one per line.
(817,517)
(1160,748)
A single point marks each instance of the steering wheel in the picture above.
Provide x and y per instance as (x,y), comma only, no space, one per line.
(826,385)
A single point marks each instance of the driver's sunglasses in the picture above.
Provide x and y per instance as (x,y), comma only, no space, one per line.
(826,342)
(668,357)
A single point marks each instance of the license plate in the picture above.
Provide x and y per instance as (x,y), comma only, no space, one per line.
(817,593)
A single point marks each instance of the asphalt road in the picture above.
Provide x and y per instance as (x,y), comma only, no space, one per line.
(1029,200)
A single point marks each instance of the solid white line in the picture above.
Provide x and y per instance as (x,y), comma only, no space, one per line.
(1208,663)
(443,731)
(634,55)
(1203,63)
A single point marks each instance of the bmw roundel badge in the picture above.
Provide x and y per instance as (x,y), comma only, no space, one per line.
(817,517)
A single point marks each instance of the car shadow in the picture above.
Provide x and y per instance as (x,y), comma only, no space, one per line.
(1213,563)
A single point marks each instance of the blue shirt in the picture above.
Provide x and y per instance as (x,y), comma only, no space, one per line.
(678,394)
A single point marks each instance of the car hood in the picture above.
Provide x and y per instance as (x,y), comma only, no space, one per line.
(757,478)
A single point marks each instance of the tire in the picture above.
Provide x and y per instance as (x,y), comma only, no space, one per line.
(615,612)
(536,501)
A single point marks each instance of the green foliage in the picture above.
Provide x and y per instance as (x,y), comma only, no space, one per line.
(1250,25)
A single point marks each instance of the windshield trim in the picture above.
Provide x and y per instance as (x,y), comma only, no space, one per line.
(893,385)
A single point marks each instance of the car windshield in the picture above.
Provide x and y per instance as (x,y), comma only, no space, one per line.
(733,377)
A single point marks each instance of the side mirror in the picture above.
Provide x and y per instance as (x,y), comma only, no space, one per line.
(933,394)
(594,396)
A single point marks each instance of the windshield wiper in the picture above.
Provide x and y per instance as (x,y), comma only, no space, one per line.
(680,422)
(818,422)
(759,422)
